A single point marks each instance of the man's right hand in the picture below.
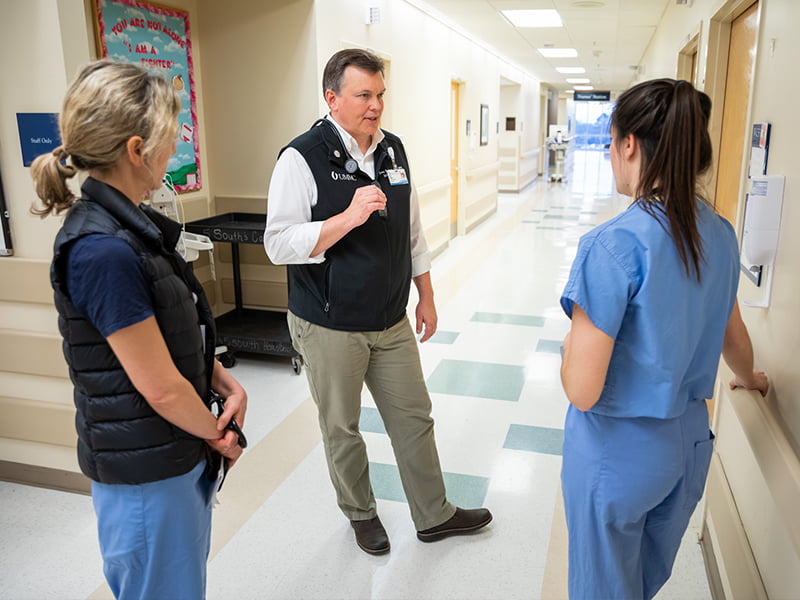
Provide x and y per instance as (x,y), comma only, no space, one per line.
(366,200)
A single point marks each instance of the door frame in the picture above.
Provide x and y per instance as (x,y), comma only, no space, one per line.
(716,74)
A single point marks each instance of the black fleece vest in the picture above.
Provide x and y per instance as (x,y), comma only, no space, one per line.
(364,282)
(121,439)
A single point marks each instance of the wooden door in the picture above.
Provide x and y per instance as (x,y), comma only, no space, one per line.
(454,136)
(733,140)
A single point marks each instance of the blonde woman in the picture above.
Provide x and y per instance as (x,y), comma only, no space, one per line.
(138,336)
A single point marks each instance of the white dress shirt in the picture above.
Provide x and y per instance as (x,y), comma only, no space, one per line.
(290,234)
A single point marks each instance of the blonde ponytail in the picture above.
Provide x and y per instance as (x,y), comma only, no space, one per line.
(50,177)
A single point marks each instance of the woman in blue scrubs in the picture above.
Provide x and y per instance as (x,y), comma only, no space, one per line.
(652,298)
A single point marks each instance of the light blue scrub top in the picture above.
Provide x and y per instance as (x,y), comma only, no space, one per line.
(668,328)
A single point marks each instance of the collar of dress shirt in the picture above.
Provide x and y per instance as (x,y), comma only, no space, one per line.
(350,143)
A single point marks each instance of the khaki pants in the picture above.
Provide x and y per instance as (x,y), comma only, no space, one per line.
(337,364)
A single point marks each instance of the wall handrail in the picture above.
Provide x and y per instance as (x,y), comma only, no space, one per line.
(434,186)
(483,170)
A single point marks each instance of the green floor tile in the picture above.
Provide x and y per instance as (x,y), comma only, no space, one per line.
(371,420)
(508,319)
(482,380)
(543,440)
(551,346)
(444,337)
(466,491)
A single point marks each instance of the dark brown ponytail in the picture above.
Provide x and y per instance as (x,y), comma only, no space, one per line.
(670,120)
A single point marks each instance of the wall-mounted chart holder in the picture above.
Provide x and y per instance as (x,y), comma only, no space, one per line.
(762,221)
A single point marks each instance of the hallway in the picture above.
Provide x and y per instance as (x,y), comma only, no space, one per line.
(493,373)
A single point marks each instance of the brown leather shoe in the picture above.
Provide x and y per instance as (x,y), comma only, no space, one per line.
(371,536)
(464,521)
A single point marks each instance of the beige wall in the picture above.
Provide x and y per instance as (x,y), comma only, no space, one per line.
(755,483)
(257,71)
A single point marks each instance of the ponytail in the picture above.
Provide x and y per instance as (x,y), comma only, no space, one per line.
(50,179)
(670,120)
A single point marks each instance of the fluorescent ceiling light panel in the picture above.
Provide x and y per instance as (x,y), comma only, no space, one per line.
(558,52)
(533,18)
(570,70)
(578,80)
(582,88)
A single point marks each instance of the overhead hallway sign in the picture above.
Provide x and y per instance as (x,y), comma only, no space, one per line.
(592,96)
(157,38)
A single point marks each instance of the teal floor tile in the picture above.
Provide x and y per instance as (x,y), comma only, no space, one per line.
(444,337)
(466,491)
(508,319)
(551,346)
(563,217)
(371,420)
(543,440)
(482,380)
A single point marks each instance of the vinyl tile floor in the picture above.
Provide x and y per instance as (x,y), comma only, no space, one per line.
(493,373)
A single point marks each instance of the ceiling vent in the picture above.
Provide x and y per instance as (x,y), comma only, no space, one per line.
(684,2)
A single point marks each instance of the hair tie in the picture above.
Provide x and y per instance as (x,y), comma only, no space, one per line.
(60,152)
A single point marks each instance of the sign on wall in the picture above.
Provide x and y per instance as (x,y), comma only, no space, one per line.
(157,38)
(38,134)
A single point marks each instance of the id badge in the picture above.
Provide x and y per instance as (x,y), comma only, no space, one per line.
(397,176)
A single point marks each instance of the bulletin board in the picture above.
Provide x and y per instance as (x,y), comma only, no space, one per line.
(157,38)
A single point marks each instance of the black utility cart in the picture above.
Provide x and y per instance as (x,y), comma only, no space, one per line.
(245,329)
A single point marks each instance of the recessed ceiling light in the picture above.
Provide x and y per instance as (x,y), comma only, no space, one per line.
(578,80)
(533,18)
(570,70)
(558,52)
(582,88)
(588,4)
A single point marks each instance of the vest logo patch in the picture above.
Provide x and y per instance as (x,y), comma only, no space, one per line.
(342,176)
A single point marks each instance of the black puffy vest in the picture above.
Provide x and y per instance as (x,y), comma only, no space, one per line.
(121,439)
(364,282)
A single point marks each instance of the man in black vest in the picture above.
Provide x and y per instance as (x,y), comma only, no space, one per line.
(344,216)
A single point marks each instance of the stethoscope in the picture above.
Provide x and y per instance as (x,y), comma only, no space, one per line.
(350,163)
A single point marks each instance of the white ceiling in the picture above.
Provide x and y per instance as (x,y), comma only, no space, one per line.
(610,36)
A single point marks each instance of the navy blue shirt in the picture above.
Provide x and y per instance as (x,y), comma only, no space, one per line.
(106,281)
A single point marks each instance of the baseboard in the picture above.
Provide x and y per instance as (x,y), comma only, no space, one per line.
(46,477)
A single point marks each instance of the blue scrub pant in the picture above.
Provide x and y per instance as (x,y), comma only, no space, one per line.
(155,537)
(630,486)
